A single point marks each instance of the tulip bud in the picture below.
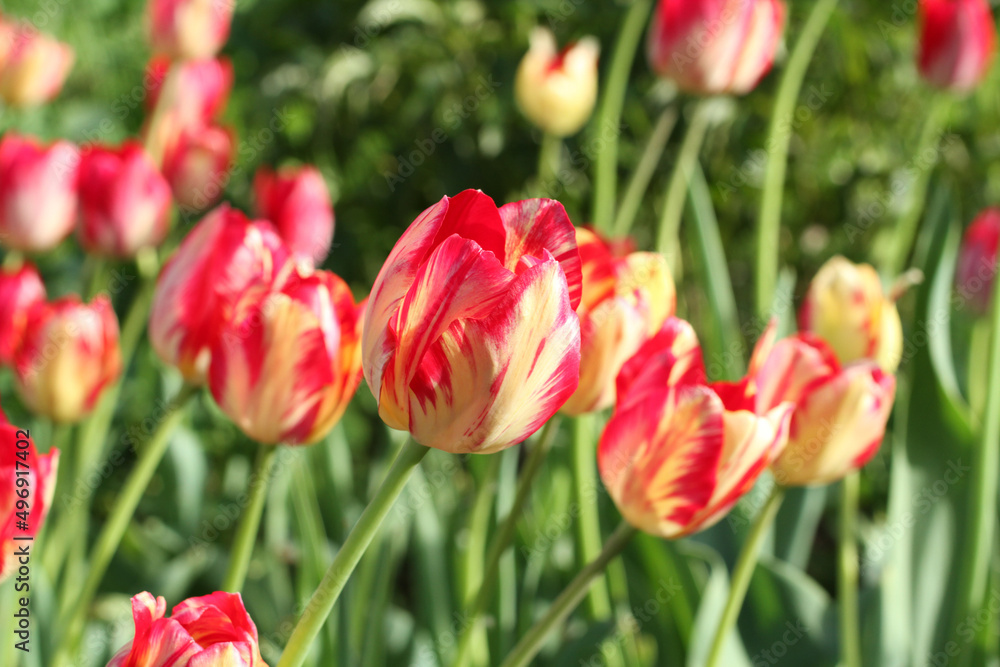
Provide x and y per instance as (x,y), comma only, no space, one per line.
(198,92)
(957,42)
(626,299)
(211,630)
(197,289)
(37,193)
(470,339)
(197,165)
(298,203)
(710,47)
(676,455)
(20,289)
(124,201)
(557,90)
(22,515)
(288,363)
(977,261)
(33,66)
(189,29)
(69,355)
(846,307)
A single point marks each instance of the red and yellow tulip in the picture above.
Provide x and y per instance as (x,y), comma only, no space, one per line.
(189,29)
(297,201)
(33,65)
(20,289)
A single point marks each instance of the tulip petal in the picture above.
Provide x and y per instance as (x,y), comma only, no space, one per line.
(223,655)
(671,357)
(792,369)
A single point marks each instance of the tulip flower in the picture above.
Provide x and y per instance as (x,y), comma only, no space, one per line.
(711,47)
(27,482)
(33,66)
(20,289)
(470,339)
(198,287)
(957,42)
(556,90)
(124,201)
(678,453)
(189,29)
(289,361)
(298,203)
(846,307)
(69,355)
(208,631)
(977,260)
(197,163)
(626,299)
(38,197)
(199,90)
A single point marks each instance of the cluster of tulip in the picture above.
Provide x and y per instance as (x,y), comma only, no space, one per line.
(482,325)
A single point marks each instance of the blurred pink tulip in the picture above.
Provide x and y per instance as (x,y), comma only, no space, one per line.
(33,66)
(957,42)
(189,29)
(977,261)
(197,165)
(297,201)
(20,289)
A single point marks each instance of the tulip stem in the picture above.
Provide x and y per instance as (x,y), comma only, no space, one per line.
(850,638)
(549,165)
(779,138)
(610,114)
(325,597)
(644,171)
(72,611)
(503,538)
(745,565)
(12,260)
(588,525)
(246,532)
(531,643)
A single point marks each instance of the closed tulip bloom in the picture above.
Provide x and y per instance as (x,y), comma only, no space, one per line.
(556,90)
(289,361)
(197,163)
(977,261)
(711,47)
(124,201)
(208,631)
(627,296)
(471,340)
(70,354)
(846,307)
(197,289)
(189,29)
(297,201)
(20,289)
(33,66)
(957,42)
(28,500)
(678,453)
(38,199)
(197,92)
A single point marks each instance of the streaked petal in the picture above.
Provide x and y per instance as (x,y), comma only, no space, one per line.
(671,357)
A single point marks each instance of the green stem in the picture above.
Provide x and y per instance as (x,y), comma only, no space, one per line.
(850,639)
(325,597)
(745,566)
(644,171)
(95,269)
(571,596)
(588,524)
(475,552)
(12,260)
(504,536)
(74,608)
(670,221)
(549,164)
(779,137)
(610,113)
(246,532)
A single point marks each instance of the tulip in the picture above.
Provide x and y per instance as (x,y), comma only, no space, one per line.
(470,339)
(37,192)
(678,453)
(845,305)
(197,163)
(189,29)
(124,201)
(199,90)
(208,631)
(69,355)
(626,299)
(557,90)
(33,66)
(977,260)
(289,361)
(27,482)
(711,47)
(20,289)
(298,203)
(957,42)
(197,289)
